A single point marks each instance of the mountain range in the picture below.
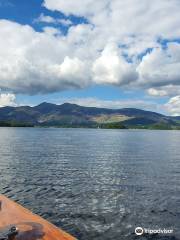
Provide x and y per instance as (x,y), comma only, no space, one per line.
(72,115)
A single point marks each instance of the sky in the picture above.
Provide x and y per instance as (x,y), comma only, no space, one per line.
(106,53)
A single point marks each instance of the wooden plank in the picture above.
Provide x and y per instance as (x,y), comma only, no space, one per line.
(31,226)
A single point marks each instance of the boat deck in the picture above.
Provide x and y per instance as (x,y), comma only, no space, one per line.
(30,226)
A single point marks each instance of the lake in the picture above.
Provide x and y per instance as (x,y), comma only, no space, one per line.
(96,184)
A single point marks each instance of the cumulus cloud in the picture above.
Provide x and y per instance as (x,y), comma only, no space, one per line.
(161,67)
(169,90)
(111,68)
(65,22)
(134,26)
(156,92)
(79,7)
(72,68)
(48,19)
(125,18)
(173,106)
(7,99)
(120,45)
(32,62)
(45,19)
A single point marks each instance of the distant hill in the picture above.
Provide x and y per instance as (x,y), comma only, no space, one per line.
(72,115)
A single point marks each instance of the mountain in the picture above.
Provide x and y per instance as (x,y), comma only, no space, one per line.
(72,115)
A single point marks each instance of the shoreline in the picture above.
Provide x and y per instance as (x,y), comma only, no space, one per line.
(79,127)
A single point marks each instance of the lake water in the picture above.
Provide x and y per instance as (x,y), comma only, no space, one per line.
(95,184)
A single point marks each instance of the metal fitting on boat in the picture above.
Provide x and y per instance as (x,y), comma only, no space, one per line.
(9,234)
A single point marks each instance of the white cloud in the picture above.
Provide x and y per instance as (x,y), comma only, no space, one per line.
(45,19)
(134,26)
(104,51)
(156,92)
(169,90)
(119,18)
(51,31)
(37,62)
(161,67)
(7,99)
(111,68)
(72,68)
(48,19)
(173,106)
(134,23)
(65,22)
(78,7)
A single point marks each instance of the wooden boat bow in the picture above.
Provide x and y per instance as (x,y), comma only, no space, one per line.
(18,223)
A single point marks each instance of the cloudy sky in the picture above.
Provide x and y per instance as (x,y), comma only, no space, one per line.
(110,53)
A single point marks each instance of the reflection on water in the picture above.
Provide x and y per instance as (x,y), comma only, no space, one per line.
(95,184)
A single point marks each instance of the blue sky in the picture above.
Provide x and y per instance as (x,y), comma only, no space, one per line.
(25,12)
(91,53)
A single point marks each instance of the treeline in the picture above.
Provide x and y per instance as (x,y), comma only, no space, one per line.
(112,125)
(15,124)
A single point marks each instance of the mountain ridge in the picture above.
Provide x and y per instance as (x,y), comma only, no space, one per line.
(73,115)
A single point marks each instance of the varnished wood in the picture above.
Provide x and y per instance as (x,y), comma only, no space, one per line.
(31,226)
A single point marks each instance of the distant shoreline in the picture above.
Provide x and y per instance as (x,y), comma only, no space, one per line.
(82,127)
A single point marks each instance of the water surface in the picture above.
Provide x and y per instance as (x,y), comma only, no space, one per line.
(95,184)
